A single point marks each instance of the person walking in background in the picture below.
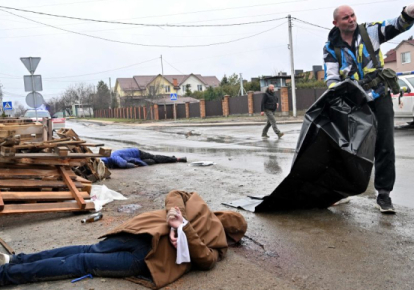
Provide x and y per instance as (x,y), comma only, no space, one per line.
(270,103)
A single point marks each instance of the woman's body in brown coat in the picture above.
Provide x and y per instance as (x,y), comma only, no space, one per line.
(205,234)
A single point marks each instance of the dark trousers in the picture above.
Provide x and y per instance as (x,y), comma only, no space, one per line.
(117,256)
(155,159)
(384,147)
(271,122)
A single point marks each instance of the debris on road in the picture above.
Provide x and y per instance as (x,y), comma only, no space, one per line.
(39,172)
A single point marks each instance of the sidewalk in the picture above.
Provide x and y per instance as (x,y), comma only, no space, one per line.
(198,122)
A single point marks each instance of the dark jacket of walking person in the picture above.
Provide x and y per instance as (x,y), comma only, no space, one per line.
(347,55)
(270,103)
(141,249)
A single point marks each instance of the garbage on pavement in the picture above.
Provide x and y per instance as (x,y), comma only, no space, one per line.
(334,154)
(101,195)
(202,163)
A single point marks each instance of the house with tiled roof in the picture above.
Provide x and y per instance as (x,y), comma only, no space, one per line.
(401,58)
(147,86)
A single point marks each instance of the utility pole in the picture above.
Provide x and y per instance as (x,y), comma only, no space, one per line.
(110,94)
(162,74)
(292,67)
(241,91)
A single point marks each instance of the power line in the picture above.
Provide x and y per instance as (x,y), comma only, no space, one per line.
(142,44)
(173,67)
(140,24)
(103,71)
(306,22)
(69,3)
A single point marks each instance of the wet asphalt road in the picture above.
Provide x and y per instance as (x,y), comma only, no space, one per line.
(351,246)
(239,146)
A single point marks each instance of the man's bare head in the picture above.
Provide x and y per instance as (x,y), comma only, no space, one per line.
(345,19)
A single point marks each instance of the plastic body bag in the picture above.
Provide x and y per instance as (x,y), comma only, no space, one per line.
(334,155)
(335,152)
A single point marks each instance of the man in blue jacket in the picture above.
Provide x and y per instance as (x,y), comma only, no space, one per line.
(353,52)
(133,157)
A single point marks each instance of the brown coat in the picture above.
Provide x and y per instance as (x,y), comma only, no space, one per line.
(205,235)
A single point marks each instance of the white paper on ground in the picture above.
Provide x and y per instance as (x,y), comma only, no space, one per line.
(101,195)
(202,163)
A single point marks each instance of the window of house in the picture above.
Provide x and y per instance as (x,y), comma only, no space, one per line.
(199,88)
(167,89)
(405,57)
(152,90)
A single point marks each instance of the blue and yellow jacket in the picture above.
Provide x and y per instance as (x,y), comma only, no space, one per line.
(356,62)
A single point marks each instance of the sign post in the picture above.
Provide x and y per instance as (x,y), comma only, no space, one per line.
(7,106)
(173,97)
(33,83)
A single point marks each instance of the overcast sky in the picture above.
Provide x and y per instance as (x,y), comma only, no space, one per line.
(68,57)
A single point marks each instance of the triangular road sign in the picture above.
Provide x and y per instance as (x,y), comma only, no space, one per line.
(7,106)
(30,63)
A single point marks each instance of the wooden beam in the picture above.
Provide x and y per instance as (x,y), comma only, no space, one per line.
(54,155)
(72,187)
(104,151)
(1,202)
(57,161)
(23,173)
(45,207)
(30,183)
(7,151)
(40,195)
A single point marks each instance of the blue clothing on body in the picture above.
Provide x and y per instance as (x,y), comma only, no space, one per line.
(120,255)
(124,158)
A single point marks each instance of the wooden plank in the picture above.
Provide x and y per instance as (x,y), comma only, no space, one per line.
(83,180)
(9,196)
(23,173)
(7,151)
(27,129)
(45,207)
(54,155)
(62,151)
(104,151)
(72,187)
(58,161)
(93,145)
(30,183)
(1,201)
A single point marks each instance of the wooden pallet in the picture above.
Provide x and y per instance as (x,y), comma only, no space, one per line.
(28,189)
(37,174)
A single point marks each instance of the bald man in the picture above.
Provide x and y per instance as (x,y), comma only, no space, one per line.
(270,103)
(346,55)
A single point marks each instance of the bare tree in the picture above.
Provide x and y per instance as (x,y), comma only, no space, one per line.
(19,109)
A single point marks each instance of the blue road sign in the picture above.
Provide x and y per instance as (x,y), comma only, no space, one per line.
(7,106)
(173,97)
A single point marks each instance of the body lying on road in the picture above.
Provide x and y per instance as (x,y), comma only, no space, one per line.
(133,157)
(154,248)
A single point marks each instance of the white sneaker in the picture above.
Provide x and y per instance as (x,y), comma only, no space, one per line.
(4,259)
(342,201)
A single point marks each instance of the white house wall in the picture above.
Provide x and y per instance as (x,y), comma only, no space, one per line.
(193,81)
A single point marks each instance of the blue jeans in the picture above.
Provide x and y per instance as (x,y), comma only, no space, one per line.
(120,255)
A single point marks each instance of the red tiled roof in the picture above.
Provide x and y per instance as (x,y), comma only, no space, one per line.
(391,56)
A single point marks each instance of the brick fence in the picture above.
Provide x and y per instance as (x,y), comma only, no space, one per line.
(243,105)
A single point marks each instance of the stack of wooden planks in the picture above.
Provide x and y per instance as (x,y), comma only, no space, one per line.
(46,176)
